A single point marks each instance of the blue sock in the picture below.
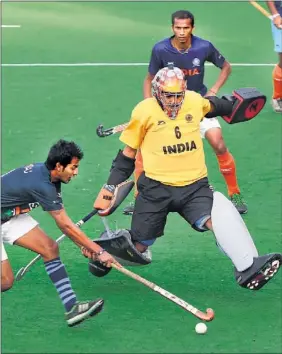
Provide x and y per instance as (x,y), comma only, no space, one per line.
(57,273)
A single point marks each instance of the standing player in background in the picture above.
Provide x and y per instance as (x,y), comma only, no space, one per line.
(25,188)
(190,53)
(275,8)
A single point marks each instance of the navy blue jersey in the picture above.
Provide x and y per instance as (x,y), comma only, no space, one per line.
(25,188)
(278,5)
(191,62)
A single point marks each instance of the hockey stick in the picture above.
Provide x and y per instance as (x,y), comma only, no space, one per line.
(204,316)
(21,272)
(261,9)
(102,133)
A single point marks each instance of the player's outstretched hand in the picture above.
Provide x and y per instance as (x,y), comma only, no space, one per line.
(106,259)
(278,22)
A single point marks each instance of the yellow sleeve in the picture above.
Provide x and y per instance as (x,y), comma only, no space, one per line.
(206,106)
(134,134)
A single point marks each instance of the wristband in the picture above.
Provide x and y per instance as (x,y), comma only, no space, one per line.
(101,252)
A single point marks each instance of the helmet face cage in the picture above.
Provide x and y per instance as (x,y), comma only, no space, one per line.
(169,88)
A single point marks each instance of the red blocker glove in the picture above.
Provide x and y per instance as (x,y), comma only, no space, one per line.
(110,197)
(247,103)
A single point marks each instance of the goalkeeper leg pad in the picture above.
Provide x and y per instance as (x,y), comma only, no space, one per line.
(231,233)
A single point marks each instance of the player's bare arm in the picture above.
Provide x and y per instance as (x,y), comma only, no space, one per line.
(75,234)
(147,85)
(223,76)
(272,7)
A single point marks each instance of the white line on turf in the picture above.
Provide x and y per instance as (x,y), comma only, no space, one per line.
(111,64)
(11,26)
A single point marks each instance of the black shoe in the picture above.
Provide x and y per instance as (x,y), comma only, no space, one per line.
(239,203)
(262,270)
(83,310)
(128,210)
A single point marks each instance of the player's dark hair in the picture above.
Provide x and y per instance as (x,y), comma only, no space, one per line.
(182,15)
(63,152)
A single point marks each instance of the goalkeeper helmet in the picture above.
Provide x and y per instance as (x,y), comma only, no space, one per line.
(168,88)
